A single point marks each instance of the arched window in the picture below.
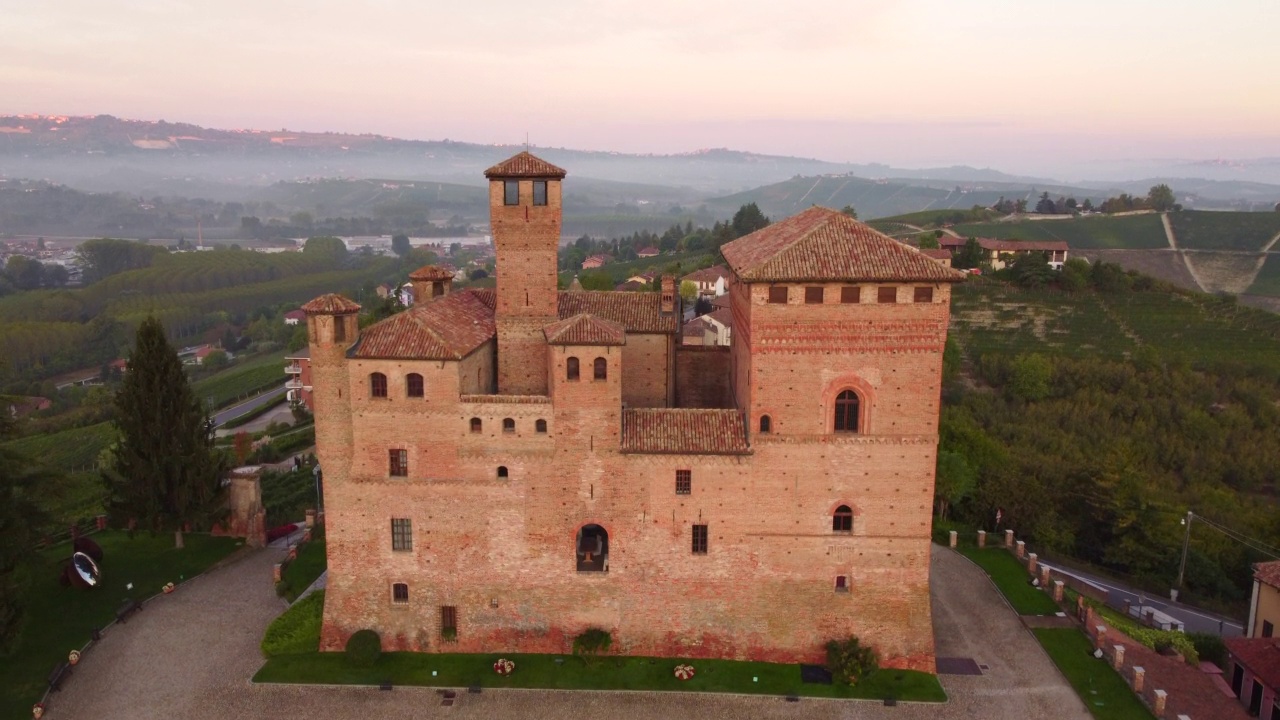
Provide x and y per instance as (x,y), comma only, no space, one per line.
(502,472)
(571,368)
(414,382)
(842,520)
(601,369)
(377,385)
(766,425)
(508,425)
(540,426)
(400,593)
(847,412)
(475,425)
(593,549)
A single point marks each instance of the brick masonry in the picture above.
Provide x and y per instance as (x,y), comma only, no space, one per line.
(502,550)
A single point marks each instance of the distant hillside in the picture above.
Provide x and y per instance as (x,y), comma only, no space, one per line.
(1090,231)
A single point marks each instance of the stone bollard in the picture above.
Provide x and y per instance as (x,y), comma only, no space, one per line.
(1008,538)
(1057,591)
(1127,605)
(306,536)
(1080,607)
(101,522)
(1044,576)
(1139,675)
(311,517)
(1031,563)
(1117,657)
(1099,636)
(1021,550)
(1157,706)
(277,572)
(982,538)
(952,539)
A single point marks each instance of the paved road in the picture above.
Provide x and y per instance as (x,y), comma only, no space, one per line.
(1194,619)
(190,655)
(271,396)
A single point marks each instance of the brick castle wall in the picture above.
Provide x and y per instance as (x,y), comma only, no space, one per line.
(702,376)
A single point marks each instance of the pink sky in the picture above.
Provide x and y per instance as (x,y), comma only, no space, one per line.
(1015,85)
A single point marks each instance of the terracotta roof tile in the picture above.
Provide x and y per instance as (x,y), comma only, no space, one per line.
(585,329)
(1268,572)
(710,274)
(697,328)
(821,244)
(524,164)
(639,312)
(331,304)
(1006,245)
(684,432)
(449,328)
(937,253)
(430,272)
(724,316)
(1261,655)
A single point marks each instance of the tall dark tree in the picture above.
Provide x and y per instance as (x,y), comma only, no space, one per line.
(400,245)
(848,210)
(166,474)
(21,521)
(1161,198)
(748,219)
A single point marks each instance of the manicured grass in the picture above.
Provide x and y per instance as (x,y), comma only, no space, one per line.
(304,569)
(1012,579)
(60,619)
(606,673)
(1101,688)
(298,629)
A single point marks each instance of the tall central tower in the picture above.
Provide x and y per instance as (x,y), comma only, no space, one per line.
(524,214)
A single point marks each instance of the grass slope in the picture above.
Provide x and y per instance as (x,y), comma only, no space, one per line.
(61,618)
(1012,579)
(605,673)
(1129,231)
(304,569)
(67,450)
(1268,280)
(242,379)
(1208,230)
(1101,688)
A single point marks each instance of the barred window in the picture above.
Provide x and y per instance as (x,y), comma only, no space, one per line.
(699,539)
(448,619)
(400,593)
(401,534)
(399,462)
(684,482)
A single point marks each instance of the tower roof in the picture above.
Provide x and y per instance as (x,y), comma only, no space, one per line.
(430,272)
(585,329)
(331,304)
(524,164)
(821,244)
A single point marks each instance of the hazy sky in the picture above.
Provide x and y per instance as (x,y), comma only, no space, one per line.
(1023,86)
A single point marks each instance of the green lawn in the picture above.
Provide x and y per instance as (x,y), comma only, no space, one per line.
(304,569)
(1011,577)
(60,619)
(1098,685)
(607,673)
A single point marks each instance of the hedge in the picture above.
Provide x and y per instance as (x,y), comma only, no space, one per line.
(297,630)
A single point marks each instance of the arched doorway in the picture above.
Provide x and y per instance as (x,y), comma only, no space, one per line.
(592,549)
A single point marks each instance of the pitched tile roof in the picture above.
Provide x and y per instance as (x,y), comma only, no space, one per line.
(710,274)
(1005,245)
(1261,655)
(697,328)
(937,253)
(585,329)
(821,244)
(449,328)
(431,272)
(524,164)
(331,304)
(1268,572)
(638,312)
(724,316)
(684,432)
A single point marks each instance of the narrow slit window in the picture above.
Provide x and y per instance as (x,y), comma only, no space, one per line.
(842,583)
(699,539)
(766,425)
(539,192)
(448,620)
(339,329)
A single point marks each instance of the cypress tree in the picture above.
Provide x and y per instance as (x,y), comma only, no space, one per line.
(166,474)
(21,521)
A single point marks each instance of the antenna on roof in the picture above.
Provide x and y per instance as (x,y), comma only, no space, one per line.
(526,141)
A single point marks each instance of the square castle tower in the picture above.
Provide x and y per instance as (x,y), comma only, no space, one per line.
(506,469)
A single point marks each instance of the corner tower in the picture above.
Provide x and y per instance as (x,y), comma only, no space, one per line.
(525,215)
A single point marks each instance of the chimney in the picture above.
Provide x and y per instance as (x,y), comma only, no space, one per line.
(668,294)
(430,282)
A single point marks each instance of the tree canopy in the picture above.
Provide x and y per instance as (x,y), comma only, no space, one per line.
(21,523)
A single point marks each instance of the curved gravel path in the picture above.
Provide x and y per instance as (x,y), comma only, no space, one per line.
(190,655)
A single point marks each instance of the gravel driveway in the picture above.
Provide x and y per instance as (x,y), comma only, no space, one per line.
(190,656)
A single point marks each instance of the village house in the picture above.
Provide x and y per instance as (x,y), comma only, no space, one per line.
(647,252)
(595,261)
(714,328)
(506,468)
(293,317)
(297,370)
(711,282)
(999,253)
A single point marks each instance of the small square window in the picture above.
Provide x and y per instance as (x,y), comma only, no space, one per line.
(684,482)
(813,296)
(511,192)
(778,294)
(924,295)
(401,534)
(850,294)
(887,294)
(842,583)
(539,192)
(699,539)
(540,426)
(400,593)
(399,461)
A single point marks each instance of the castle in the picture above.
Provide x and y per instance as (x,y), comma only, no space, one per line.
(507,468)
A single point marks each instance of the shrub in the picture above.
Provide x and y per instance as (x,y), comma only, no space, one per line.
(849,660)
(1209,647)
(592,641)
(364,648)
(297,630)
